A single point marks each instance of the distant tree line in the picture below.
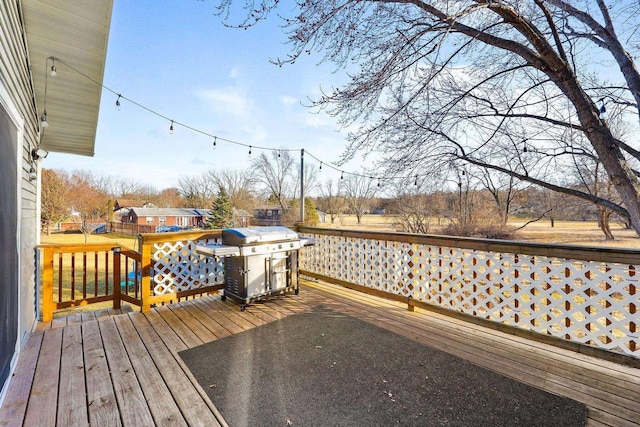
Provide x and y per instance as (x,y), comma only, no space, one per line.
(474,202)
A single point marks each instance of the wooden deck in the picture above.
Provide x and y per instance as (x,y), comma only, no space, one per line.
(121,368)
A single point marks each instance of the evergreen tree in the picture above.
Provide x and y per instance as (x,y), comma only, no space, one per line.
(222,213)
(310,213)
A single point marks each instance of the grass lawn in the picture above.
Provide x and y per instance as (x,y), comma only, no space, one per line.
(585,233)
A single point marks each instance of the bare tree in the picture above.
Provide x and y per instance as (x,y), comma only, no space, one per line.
(87,202)
(478,81)
(240,185)
(330,200)
(502,188)
(275,171)
(358,192)
(53,199)
(168,198)
(197,192)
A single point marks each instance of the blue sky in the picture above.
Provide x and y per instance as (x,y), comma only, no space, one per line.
(176,58)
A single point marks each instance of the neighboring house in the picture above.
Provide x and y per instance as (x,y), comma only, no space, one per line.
(181,217)
(267,215)
(121,208)
(322,216)
(32,33)
(241,217)
(130,203)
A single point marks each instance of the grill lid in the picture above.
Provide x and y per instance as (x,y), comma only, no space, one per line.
(257,235)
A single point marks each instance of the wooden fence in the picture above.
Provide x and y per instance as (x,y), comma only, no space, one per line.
(165,269)
(130,229)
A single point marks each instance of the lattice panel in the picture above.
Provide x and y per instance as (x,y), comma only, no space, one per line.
(593,303)
(178,267)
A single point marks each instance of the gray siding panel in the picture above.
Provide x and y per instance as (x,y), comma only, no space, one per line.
(18,93)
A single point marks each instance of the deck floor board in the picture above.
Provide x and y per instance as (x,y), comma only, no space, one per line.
(98,367)
(72,402)
(42,406)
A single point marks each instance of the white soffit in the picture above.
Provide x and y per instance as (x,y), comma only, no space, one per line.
(76,32)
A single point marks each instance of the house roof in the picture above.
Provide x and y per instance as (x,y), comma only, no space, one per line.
(129,203)
(75,32)
(167,212)
(267,207)
(241,213)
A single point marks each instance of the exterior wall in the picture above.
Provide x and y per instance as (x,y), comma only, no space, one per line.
(16,96)
(186,221)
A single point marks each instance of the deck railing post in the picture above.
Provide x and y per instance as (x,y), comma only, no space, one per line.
(145,281)
(117,279)
(47,285)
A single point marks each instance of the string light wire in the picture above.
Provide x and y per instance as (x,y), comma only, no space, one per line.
(216,138)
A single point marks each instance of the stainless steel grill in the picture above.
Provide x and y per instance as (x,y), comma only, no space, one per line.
(258,261)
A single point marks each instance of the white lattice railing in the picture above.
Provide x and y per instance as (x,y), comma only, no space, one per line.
(586,295)
(177,267)
(170,268)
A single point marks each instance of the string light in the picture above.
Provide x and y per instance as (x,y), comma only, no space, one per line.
(215,138)
(54,71)
(43,120)
(603,110)
(416,181)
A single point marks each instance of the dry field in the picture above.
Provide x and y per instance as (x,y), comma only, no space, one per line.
(565,232)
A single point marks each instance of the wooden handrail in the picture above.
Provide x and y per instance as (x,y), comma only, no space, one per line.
(577,252)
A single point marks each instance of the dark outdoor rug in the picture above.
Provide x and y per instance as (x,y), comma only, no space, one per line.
(324,368)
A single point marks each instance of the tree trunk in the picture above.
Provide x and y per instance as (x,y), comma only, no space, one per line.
(604,216)
(602,140)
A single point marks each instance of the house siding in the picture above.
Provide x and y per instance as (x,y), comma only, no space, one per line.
(16,96)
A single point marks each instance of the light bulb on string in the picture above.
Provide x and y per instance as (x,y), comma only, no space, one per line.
(416,181)
(118,102)
(341,174)
(378,182)
(43,120)
(603,111)
(215,139)
(249,151)
(171,128)
(320,165)
(54,71)
(278,153)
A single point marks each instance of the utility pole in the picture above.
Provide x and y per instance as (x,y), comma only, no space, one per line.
(302,185)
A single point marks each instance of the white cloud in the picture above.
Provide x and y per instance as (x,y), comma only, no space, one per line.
(228,100)
(288,100)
